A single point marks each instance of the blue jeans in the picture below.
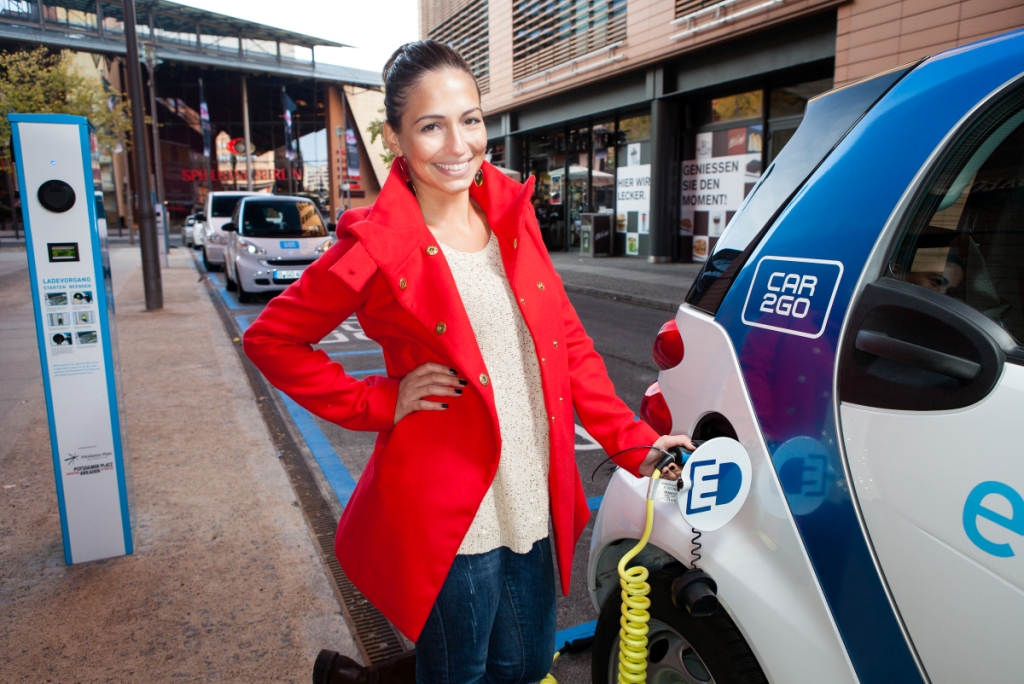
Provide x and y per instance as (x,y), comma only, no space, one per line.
(493,622)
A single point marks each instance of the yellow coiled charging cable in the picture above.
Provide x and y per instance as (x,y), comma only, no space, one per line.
(635,604)
(633,622)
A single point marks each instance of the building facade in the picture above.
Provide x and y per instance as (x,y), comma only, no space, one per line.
(663,113)
(236,105)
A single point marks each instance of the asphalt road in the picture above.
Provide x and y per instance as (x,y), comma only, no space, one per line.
(623,334)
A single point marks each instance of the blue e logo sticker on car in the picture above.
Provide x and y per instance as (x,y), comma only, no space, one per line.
(792,295)
(289,244)
(716,481)
(974,509)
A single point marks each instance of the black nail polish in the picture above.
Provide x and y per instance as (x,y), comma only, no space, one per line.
(458,391)
(463,382)
(444,405)
(453,371)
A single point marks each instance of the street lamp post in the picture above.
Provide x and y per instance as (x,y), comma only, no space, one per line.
(151,279)
(151,64)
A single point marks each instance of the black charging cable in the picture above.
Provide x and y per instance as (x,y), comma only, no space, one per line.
(676,455)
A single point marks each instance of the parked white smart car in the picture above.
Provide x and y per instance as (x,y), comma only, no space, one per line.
(271,240)
(217,211)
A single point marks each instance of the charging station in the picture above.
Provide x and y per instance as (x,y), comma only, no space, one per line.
(58,169)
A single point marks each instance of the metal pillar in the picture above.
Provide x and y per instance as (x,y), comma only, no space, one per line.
(248,139)
(151,62)
(663,225)
(151,279)
(514,154)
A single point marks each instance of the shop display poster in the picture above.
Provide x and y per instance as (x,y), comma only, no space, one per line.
(714,184)
(633,204)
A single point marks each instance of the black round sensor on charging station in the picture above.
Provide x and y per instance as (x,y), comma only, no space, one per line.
(56,196)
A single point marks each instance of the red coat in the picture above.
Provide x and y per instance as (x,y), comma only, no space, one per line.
(428,474)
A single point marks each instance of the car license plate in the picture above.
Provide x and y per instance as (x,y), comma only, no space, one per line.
(287,275)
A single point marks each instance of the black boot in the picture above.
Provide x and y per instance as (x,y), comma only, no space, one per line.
(333,668)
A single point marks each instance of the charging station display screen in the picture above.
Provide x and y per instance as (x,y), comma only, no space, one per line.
(62,251)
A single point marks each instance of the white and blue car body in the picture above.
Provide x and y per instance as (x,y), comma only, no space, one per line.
(859,329)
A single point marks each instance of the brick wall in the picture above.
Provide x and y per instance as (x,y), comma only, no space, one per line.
(873,35)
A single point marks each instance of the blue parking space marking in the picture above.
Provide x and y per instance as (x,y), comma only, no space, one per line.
(242,322)
(594,502)
(229,301)
(334,470)
(215,279)
(355,352)
(564,636)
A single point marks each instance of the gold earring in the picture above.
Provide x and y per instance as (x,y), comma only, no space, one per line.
(408,176)
(479,178)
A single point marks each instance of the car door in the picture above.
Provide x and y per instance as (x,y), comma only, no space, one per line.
(931,391)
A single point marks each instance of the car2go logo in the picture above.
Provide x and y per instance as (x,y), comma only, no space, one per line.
(975,510)
(791,295)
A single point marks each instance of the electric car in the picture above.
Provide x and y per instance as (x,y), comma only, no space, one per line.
(217,211)
(271,240)
(858,329)
(188,230)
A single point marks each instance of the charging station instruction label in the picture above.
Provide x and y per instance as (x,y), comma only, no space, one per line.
(73,319)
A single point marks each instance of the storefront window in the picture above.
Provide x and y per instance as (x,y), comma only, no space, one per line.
(578,183)
(603,168)
(635,128)
(496,154)
(547,162)
(792,100)
(739,106)
(786,107)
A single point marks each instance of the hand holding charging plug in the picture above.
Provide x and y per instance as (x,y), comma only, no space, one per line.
(666,443)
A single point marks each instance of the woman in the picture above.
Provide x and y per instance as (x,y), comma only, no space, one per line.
(447,530)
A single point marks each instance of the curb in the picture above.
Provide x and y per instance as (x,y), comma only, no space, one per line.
(662,304)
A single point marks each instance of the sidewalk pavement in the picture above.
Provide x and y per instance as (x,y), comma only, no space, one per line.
(226,583)
(659,286)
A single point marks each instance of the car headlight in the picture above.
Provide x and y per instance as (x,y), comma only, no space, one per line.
(216,238)
(250,247)
(325,246)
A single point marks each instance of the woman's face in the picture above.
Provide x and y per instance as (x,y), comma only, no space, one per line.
(443,137)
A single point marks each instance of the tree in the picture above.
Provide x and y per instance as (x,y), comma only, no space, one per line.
(376,129)
(41,82)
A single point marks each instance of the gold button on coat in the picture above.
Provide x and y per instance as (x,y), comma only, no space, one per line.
(402,283)
(515,243)
(431,250)
(483,379)
(440,328)
(555,343)
(540,285)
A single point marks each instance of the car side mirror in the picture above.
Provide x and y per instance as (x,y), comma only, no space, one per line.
(200,217)
(229,228)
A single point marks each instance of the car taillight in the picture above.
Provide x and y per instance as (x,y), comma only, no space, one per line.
(654,410)
(668,346)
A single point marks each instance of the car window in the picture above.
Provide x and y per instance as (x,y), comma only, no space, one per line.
(222,206)
(965,239)
(282,218)
(828,119)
